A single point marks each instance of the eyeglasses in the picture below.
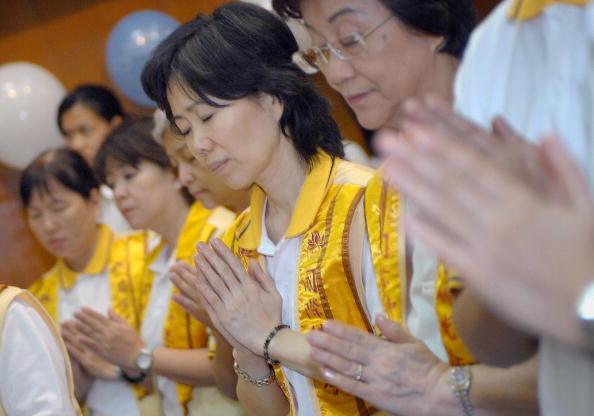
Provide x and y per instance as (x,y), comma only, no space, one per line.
(346,48)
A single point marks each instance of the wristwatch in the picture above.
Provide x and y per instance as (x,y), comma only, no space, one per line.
(144,362)
(585,314)
(144,359)
(460,381)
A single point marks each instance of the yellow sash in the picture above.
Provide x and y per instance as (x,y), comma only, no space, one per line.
(528,9)
(326,287)
(387,241)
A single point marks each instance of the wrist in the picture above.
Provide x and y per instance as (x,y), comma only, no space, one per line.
(272,341)
(584,309)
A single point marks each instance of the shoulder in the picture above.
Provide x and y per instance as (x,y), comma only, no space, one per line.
(44,280)
(352,173)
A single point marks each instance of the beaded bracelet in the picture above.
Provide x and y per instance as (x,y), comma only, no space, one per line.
(271,335)
(258,382)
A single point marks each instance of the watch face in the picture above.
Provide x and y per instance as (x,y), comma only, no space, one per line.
(460,376)
(144,361)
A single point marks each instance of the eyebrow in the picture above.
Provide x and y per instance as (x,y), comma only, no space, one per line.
(195,102)
(341,12)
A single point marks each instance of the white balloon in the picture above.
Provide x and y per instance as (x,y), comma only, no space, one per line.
(29,100)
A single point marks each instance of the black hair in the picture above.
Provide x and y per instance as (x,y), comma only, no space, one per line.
(62,165)
(96,97)
(130,144)
(452,19)
(241,51)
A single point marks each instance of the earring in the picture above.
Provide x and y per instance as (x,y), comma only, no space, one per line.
(177,185)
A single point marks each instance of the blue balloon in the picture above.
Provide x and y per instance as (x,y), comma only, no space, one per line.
(129,47)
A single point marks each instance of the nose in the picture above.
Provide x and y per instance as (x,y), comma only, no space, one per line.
(50,225)
(184,174)
(120,190)
(199,144)
(76,142)
(337,71)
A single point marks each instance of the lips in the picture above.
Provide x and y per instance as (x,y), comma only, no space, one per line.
(56,243)
(217,167)
(356,98)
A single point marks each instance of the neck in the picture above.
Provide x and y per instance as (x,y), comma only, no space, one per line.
(172,219)
(239,200)
(79,263)
(282,182)
(438,81)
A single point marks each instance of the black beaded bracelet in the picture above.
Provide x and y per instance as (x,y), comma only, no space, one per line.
(271,335)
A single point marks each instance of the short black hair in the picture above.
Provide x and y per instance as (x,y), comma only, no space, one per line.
(96,97)
(452,19)
(65,166)
(240,51)
(130,144)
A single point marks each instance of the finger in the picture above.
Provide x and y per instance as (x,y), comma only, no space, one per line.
(208,276)
(359,351)
(230,258)
(392,330)
(188,304)
(349,384)
(182,285)
(91,318)
(89,343)
(206,293)
(113,315)
(325,358)
(83,329)
(456,250)
(505,132)
(566,171)
(263,279)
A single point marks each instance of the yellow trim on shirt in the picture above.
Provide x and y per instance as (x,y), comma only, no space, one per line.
(529,9)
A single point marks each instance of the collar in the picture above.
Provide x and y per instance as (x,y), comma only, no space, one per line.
(314,189)
(528,9)
(67,277)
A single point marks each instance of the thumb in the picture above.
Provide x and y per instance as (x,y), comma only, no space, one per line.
(256,272)
(392,330)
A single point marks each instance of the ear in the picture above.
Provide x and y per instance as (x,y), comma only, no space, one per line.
(274,104)
(95,201)
(115,121)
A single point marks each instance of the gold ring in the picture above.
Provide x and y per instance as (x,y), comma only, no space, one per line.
(359,372)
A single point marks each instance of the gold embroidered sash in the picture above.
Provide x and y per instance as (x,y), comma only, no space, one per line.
(326,287)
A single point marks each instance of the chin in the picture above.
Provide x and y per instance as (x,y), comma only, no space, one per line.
(372,120)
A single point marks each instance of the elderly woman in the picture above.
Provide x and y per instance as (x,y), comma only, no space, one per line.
(378,54)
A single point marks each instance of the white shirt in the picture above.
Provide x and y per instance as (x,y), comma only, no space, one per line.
(105,397)
(281,265)
(33,374)
(539,74)
(110,214)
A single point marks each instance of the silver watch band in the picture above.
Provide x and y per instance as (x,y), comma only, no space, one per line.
(460,381)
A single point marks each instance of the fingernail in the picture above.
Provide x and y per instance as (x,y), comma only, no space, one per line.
(328,374)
